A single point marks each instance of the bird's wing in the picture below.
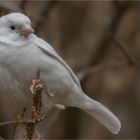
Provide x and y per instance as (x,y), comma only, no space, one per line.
(48,50)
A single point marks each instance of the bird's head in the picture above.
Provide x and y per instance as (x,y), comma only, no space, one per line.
(15,27)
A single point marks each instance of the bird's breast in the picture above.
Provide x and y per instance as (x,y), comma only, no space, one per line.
(23,64)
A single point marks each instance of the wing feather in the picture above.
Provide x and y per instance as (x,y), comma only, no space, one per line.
(47,49)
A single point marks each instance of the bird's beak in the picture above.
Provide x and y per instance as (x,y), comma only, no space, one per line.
(26,31)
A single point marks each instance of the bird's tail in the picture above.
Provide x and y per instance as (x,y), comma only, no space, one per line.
(102,114)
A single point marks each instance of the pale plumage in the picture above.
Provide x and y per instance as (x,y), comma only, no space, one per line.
(22,56)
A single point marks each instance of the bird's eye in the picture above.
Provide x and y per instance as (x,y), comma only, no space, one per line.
(12,27)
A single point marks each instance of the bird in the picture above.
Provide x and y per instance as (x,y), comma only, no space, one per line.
(22,53)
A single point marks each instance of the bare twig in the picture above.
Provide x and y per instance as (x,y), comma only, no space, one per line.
(132,60)
(37,88)
(104,43)
(45,13)
(124,49)
(98,68)
(8,123)
(1,138)
(22,5)
(15,122)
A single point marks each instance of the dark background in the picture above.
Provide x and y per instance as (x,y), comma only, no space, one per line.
(101,42)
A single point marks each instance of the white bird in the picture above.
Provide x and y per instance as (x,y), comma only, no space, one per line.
(22,53)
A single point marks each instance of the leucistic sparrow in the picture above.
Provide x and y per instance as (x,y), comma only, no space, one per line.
(22,53)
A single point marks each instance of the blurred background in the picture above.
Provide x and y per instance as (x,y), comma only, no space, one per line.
(100,40)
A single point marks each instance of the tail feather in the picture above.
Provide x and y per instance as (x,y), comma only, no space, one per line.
(102,114)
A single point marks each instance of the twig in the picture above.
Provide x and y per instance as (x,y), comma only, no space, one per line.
(124,49)
(1,138)
(98,68)
(45,13)
(22,5)
(37,88)
(8,123)
(15,122)
(113,28)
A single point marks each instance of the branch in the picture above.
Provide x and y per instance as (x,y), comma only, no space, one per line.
(37,88)
(100,67)
(15,122)
(124,49)
(132,60)
(45,12)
